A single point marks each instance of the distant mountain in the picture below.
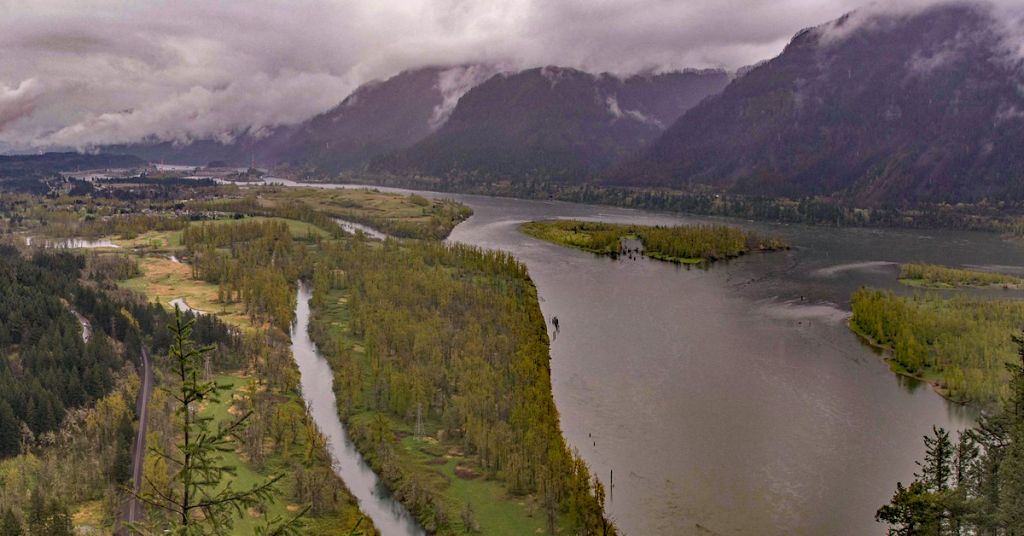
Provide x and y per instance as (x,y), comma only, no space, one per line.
(240,152)
(48,164)
(552,123)
(379,117)
(28,173)
(877,108)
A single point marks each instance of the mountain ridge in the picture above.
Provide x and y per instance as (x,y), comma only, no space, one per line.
(897,109)
(552,122)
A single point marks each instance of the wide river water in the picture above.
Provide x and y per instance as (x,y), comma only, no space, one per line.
(733,399)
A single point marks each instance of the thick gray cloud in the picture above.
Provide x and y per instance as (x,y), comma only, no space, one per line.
(77,73)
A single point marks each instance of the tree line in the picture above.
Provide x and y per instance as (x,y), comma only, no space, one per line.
(944,276)
(959,343)
(987,215)
(253,262)
(678,243)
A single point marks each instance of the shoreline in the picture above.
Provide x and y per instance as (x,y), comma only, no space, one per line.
(899,370)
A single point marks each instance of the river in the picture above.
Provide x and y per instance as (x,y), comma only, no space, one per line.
(733,399)
(316,381)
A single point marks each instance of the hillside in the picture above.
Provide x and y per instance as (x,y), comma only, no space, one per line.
(877,108)
(377,118)
(552,123)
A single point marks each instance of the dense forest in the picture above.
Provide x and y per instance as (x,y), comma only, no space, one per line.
(255,263)
(959,344)
(67,400)
(680,243)
(973,482)
(52,369)
(937,276)
(81,464)
(449,340)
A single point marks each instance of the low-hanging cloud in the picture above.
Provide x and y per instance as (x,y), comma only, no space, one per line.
(17,102)
(78,73)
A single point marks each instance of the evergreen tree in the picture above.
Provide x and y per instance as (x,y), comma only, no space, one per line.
(36,512)
(938,461)
(58,521)
(1011,470)
(958,500)
(9,525)
(197,500)
(912,511)
(10,431)
(121,469)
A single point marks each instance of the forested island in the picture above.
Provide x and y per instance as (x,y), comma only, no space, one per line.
(937,276)
(956,343)
(473,392)
(685,244)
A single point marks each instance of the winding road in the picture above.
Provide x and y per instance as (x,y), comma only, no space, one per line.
(133,508)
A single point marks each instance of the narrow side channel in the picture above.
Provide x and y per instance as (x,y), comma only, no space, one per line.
(316,380)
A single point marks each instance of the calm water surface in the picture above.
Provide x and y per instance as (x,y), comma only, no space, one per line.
(316,379)
(734,399)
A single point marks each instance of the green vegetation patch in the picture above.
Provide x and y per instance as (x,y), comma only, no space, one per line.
(689,244)
(960,345)
(398,215)
(936,276)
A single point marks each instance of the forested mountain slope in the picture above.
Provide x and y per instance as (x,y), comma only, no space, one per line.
(378,117)
(552,123)
(880,107)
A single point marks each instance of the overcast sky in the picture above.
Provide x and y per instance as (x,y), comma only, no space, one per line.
(82,72)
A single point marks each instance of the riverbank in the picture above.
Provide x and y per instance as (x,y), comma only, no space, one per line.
(886,354)
(437,464)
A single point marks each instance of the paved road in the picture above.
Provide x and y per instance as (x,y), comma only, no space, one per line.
(133,509)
